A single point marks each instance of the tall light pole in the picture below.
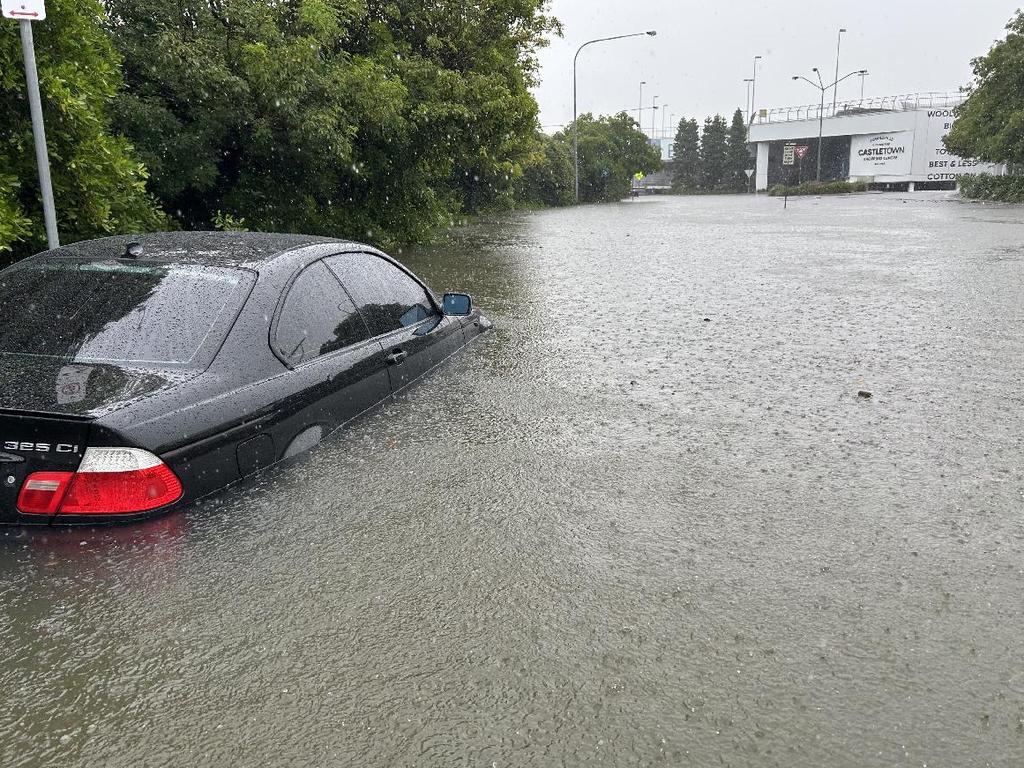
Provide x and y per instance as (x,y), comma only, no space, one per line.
(835,93)
(821,109)
(654,114)
(750,112)
(575,125)
(863,74)
(640,109)
(26,18)
(753,90)
(664,118)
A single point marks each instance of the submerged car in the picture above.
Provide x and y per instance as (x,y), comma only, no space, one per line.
(138,374)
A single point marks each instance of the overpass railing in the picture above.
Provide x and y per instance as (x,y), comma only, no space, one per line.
(900,103)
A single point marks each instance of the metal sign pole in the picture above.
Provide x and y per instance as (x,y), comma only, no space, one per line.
(39,133)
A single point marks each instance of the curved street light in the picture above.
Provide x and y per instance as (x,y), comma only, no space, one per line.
(753,89)
(575,124)
(820,85)
(863,74)
(839,42)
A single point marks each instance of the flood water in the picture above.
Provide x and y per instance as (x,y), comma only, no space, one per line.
(647,521)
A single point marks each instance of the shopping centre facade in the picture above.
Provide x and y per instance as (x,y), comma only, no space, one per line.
(895,142)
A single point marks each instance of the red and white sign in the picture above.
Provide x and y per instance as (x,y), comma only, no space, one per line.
(801,150)
(29,10)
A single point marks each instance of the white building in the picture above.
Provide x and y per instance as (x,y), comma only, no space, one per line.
(896,140)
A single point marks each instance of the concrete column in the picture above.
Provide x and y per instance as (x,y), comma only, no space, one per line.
(762,166)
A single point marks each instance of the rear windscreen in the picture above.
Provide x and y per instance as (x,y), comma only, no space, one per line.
(112,312)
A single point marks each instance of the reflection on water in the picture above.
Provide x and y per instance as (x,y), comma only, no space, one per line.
(647,520)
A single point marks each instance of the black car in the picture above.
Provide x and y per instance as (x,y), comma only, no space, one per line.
(139,374)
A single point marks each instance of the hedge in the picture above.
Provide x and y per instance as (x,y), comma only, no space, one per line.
(982,186)
(819,188)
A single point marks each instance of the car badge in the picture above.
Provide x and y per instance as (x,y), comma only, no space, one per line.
(10,458)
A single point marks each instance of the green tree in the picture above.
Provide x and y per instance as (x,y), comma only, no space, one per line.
(686,157)
(714,153)
(14,225)
(989,125)
(738,155)
(612,150)
(548,175)
(367,118)
(98,180)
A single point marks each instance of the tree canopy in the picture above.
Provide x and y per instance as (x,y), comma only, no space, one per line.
(712,158)
(738,156)
(714,153)
(376,119)
(686,157)
(989,125)
(548,174)
(367,118)
(98,179)
(612,149)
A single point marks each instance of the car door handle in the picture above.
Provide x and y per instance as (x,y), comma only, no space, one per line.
(396,357)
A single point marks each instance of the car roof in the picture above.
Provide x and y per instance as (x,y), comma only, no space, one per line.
(213,248)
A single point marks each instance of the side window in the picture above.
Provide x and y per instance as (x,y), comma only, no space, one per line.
(387,298)
(317,317)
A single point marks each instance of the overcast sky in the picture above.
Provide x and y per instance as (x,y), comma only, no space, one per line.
(704,50)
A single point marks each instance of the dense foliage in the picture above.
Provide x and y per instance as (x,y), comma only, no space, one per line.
(686,157)
(738,157)
(98,180)
(379,119)
(989,125)
(713,161)
(548,176)
(983,186)
(612,150)
(370,118)
(714,153)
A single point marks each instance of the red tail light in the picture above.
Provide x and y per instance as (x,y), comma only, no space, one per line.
(109,481)
(42,492)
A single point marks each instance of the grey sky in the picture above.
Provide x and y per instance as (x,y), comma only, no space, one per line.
(703,50)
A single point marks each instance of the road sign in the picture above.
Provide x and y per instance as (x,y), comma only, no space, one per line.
(30,10)
(801,151)
(749,172)
(788,154)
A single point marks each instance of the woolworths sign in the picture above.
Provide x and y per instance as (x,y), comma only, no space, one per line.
(916,155)
(937,163)
(882,154)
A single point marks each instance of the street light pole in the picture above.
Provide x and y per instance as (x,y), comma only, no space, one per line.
(640,109)
(39,134)
(821,123)
(664,118)
(862,76)
(654,114)
(575,125)
(753,90)
(750,111)
(835,93)
(821,109)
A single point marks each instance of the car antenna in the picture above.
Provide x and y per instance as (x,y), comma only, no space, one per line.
(132,251)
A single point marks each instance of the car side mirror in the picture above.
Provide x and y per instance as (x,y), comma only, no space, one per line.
(458,304)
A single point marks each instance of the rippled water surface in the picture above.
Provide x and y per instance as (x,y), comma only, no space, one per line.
(646,521)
